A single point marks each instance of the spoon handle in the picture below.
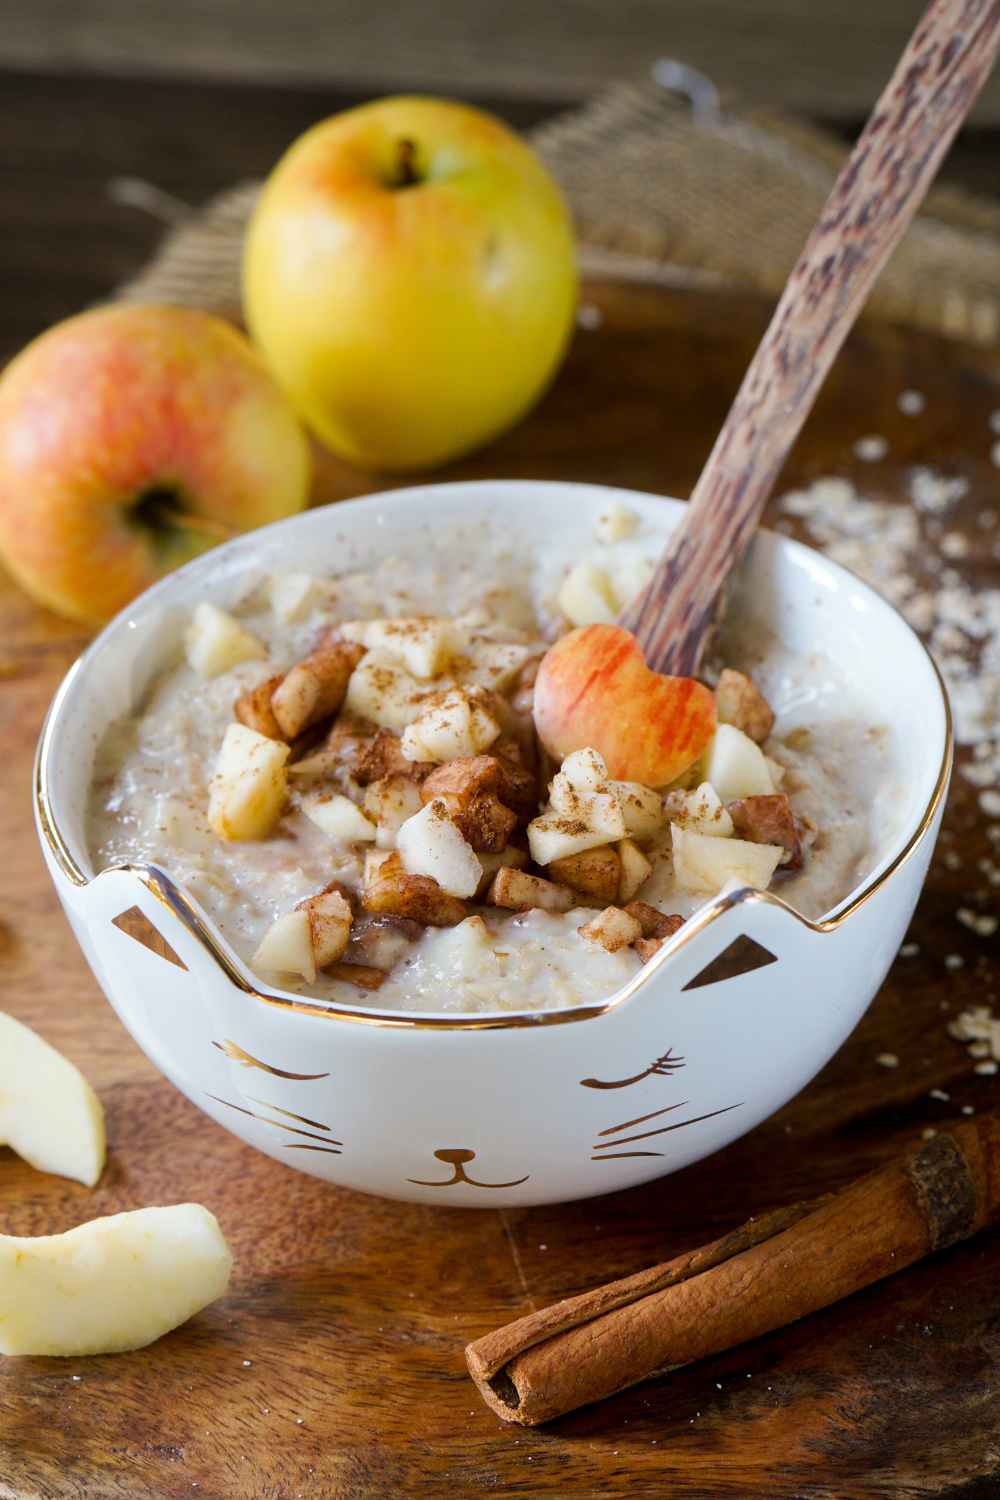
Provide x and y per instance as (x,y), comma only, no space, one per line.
(873,200)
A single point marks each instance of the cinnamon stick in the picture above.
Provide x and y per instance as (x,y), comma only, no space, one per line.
(771,1271)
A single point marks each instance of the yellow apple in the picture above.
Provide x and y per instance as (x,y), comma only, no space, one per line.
(410,275)
(117,425)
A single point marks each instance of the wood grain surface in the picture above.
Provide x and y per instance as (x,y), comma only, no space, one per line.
(812,56)
(334,1368)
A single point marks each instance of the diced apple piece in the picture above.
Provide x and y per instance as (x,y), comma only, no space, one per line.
(49,1114)
(585,597)
(642,809)
(482,820)
(330,917)
(556,836)
(585,771)
(739,701)
(492,664)
(702,863)
(340,818)
(735,766)
(292,595)
(596,874)
(113,1284)
(314,688)
(287,947)
(601,811)
(391,889)
(383,756)
(518,891)
(214,641)
(700,810)
(594,689)
(466,949)
(511,857)
(635,870)
(654,923)
(247,792)
(451,725)
(422,644)
(612,928)
(383,692)
(430,844)
(253,708)
(769,820)
(391,801)
(616,523)
(630,571)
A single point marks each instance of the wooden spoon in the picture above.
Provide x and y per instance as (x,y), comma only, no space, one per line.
(873,200)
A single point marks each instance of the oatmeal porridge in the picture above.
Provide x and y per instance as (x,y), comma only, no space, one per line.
(346,773)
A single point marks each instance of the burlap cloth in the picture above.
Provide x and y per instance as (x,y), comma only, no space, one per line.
(661,192)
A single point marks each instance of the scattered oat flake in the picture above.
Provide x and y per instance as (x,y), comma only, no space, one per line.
(911,403)
(940,1094)
(954,961)
(929,1133)
(995,455)
(982,923)
(994,421)
(989,801)
(887,1060)
(967,1109)
(588,316)
(871,449)
(909,950)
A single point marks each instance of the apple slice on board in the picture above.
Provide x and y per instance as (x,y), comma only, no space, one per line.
(49,1114)
(112,1284)
(594,689)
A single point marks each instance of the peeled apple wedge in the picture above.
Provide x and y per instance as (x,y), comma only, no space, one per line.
(214,641)
(49,1114)
(703,863)
(112,1284)
(735,766)
(247,792)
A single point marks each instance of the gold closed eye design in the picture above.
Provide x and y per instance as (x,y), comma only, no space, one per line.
(660,1067)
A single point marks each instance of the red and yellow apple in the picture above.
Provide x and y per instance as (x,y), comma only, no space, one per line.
(132,438)
(410,276)
(594,689)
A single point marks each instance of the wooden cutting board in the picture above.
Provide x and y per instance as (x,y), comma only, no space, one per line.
(334,1367)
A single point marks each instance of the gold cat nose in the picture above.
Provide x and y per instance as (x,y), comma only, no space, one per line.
(455,1155)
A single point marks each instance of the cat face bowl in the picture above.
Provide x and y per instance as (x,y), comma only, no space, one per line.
(730,1019)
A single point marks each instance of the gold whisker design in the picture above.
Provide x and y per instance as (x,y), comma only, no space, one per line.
(680,1124)
(236,1054)
(298,1146)
(302,1119)
(641,1119)
(265,1121)
(625,1155)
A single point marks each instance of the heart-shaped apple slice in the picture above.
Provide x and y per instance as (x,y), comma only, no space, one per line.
(594,689)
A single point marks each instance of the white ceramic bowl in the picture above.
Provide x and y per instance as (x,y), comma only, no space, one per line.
(489,1111)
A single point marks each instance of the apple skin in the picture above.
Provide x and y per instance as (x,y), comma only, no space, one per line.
(410,323)
(117,403)
(594,689)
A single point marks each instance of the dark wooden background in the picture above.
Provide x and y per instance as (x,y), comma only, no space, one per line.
(352,1311)
(823,57)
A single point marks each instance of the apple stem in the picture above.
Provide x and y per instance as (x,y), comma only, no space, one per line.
(406,163)
(204,525)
